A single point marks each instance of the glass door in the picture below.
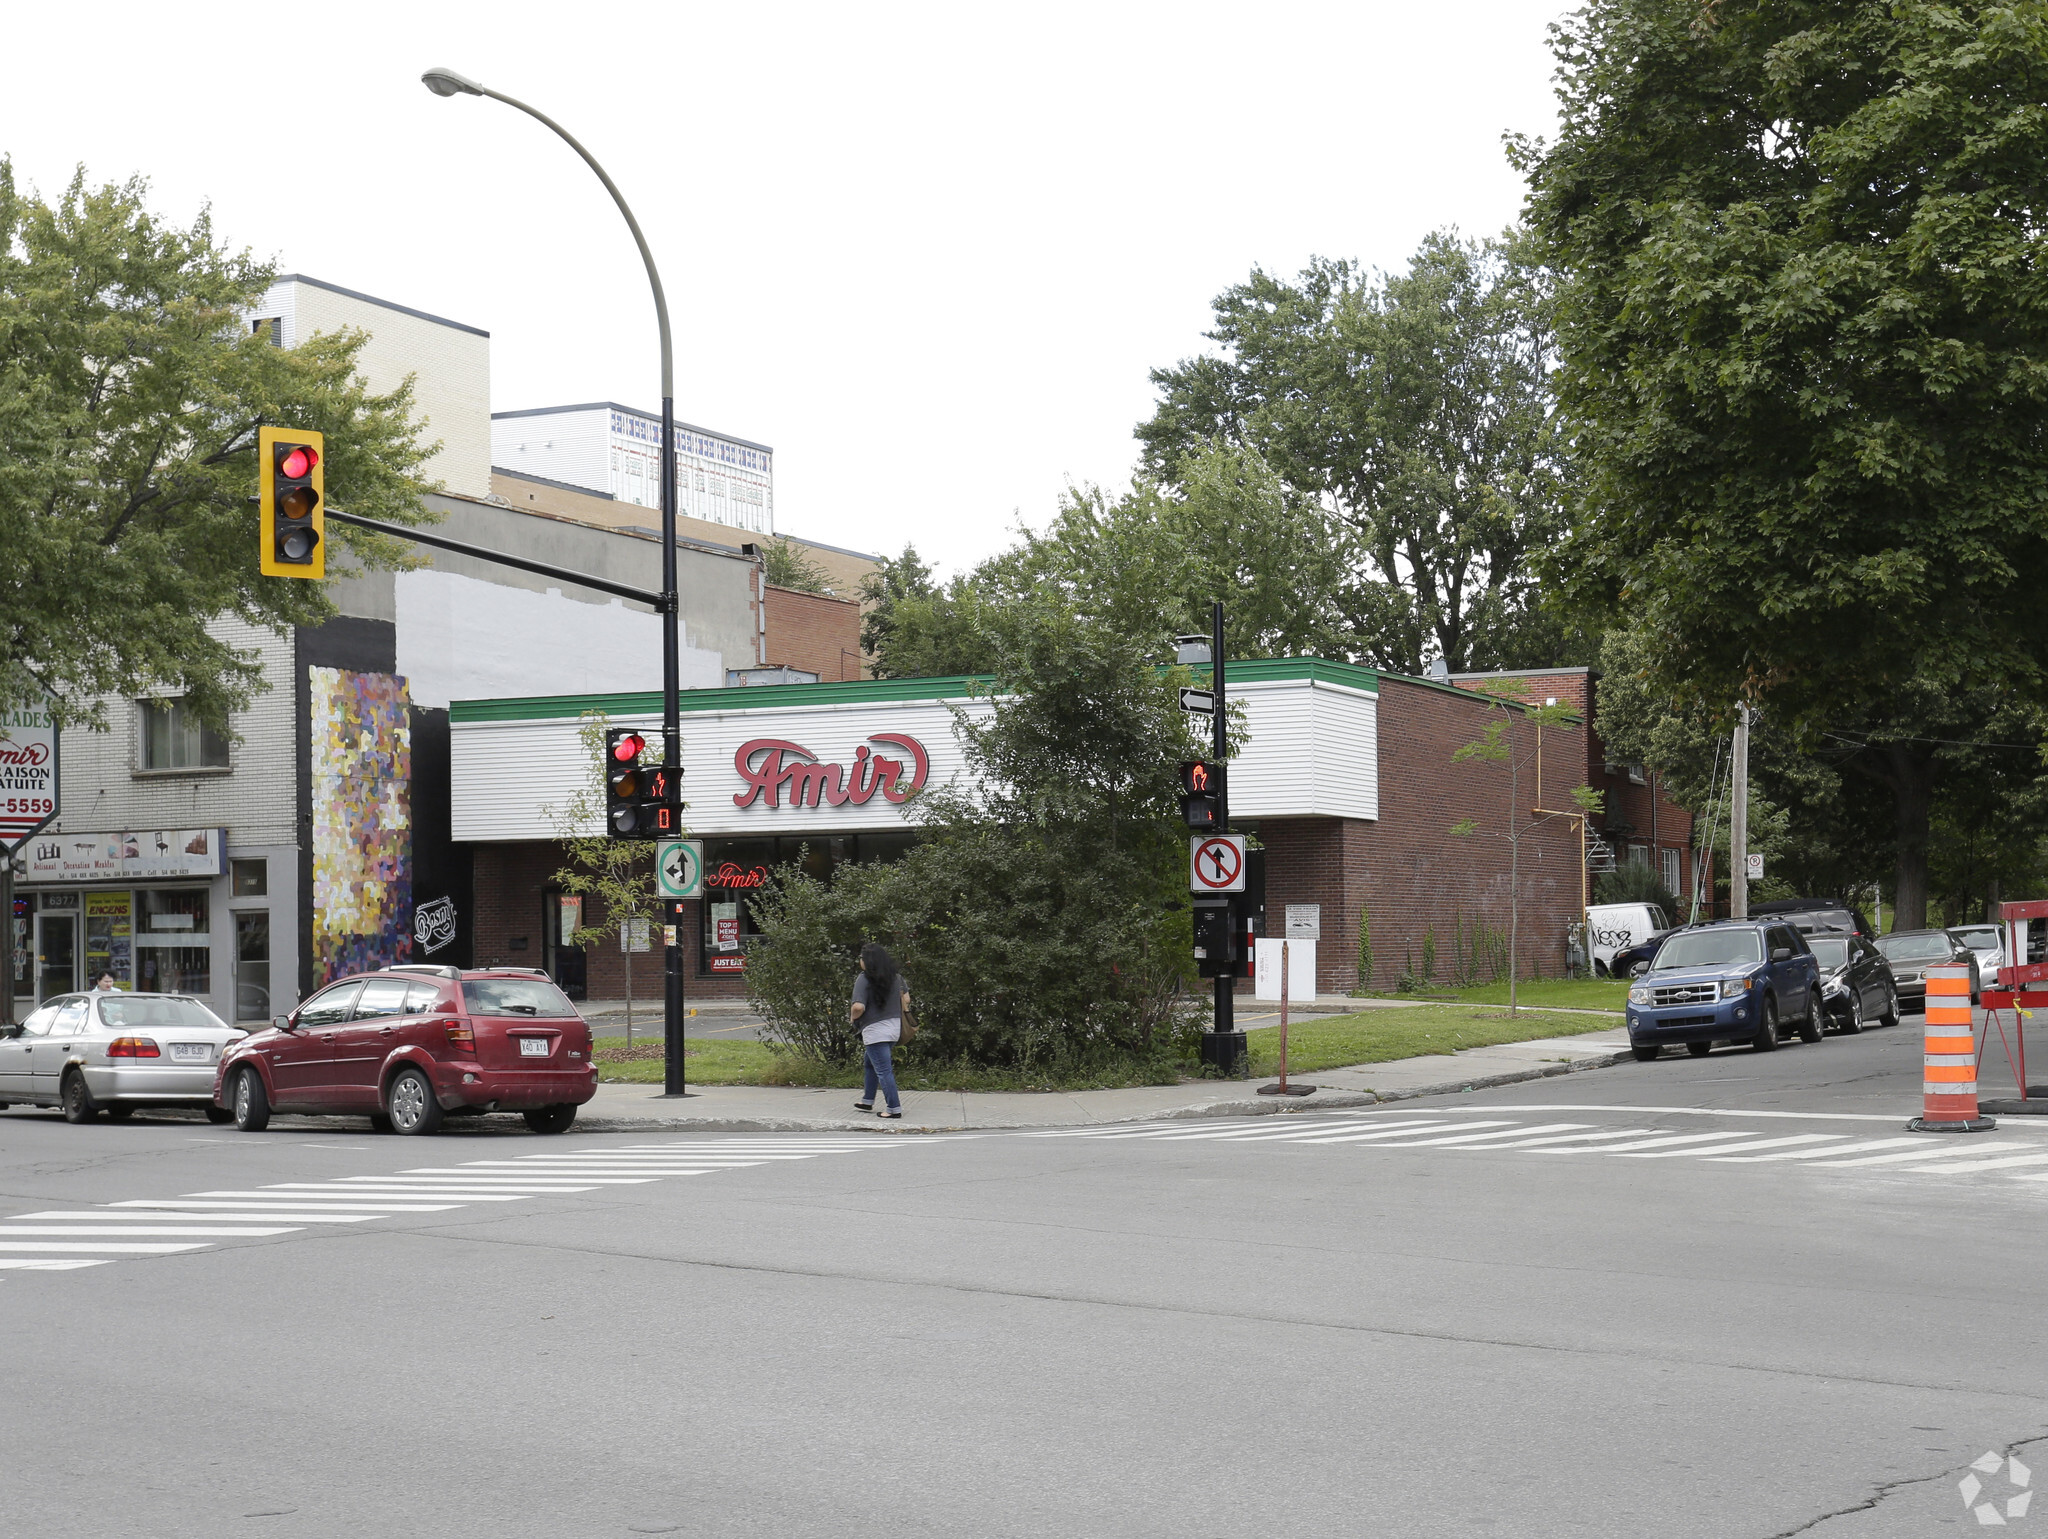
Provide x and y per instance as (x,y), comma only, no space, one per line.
(56,955)
(252,965)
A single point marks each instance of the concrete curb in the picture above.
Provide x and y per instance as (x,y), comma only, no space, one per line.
(1256,1106)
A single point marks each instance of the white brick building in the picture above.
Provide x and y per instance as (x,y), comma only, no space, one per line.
(614,450)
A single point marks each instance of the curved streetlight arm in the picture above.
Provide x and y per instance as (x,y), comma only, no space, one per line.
(668,362)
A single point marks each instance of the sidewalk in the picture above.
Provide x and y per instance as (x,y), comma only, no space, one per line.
(756,1108)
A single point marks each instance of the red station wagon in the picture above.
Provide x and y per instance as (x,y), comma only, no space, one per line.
(410,1045)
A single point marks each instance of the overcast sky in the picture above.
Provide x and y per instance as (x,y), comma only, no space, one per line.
(926,252)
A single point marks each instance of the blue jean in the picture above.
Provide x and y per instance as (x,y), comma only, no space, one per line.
(879,1068)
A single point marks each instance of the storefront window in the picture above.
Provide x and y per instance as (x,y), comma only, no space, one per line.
(110,937)
(736,869)
(22,966)
(171,951)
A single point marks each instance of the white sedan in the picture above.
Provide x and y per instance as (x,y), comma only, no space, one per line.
(114,1052)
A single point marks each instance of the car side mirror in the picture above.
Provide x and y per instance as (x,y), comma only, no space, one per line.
(281,1023)
(12,1031)
(1781,953)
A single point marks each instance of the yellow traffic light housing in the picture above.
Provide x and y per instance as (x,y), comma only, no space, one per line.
(291,489)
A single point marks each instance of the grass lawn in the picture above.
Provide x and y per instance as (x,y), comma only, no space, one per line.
(1380,1036)
(1372,1036)
(1571,993)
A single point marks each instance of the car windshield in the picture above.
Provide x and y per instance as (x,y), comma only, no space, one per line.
(1709,948)
(515,996)
(1825,919)
(1914,948)
(1831,951)
(1980,940)
(156,1010)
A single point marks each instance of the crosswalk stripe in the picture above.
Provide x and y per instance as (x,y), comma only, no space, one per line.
(357,1201)
(1381,1134)
(1661,1141)
(38,1264)
(1924,1153)
(462,1184)
(1814,1154)
(85,1231)
(1950,1167)
(213,1210)
(1570,1138)
(1764,1143)
(532,1173)
(149,1247)
(314,1189)
(1453,1140)
(1316,1133)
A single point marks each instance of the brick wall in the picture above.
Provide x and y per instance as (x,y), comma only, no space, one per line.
(814,632)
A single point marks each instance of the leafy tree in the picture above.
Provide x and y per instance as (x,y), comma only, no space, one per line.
(1035,921)
(614,877)
(130,393)
(1414,410)
(1801,337)
(914,627)
(784,563)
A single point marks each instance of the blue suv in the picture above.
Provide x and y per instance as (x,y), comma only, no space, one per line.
(1740,980)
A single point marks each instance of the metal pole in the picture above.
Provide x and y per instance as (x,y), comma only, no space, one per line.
(1738,819)
(1226,982)
(1283,1015)
(443,83)
(7,908)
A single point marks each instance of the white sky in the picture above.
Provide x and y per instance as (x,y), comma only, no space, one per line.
(926,252)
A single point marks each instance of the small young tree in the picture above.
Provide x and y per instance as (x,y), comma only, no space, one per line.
(1496,744)
(618,873)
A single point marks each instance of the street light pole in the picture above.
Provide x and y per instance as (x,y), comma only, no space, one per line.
(445,82)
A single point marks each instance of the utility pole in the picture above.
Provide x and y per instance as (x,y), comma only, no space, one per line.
(1738,819)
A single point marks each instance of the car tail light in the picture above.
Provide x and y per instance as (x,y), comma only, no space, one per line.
(461,1036)
(133,1047)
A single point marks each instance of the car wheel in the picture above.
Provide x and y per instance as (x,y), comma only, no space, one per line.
(252,1102)
(1766,1040)
(119,1113)
(1599,968)
(1891,1008)
(1699,1049)
(1854,1024)
(410,1103)
(1815,1023)
(218,1115)
(379,1123)
(556,1119)
(76,1099)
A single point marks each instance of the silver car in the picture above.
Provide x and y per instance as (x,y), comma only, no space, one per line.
(113,1052)
(1988,941)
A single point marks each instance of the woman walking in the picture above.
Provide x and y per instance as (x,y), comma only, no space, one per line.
(880,997)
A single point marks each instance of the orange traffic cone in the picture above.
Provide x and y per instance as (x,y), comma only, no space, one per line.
(1949,1074)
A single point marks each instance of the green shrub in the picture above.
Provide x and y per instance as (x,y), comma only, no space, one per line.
(1634,882)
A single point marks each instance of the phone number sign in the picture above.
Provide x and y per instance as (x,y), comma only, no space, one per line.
(28,774)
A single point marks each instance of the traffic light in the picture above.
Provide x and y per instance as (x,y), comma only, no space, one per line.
(291,489)
(642,801)
(1201,794)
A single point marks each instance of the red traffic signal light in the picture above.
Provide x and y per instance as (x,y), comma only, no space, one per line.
(628,746)
(642,801)
(291,491)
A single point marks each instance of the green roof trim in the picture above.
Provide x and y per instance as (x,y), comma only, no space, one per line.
(764,697)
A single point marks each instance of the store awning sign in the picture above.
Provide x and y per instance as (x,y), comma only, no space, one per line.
(125,856)
(28,774)
(1216,863)
(772,765)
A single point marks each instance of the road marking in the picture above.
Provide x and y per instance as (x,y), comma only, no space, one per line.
(148,1247)
(360,1192)
(1924,1153)
(81,1231)
(1762,1143)
(1480,1140)
(1569,1138)
(1815,1154)
(212,1210)
(36,1264)
(1385,1132)
(1953,1166)
(1661,1141)
(323,1196)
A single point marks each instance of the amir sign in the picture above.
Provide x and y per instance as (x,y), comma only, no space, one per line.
(769,765)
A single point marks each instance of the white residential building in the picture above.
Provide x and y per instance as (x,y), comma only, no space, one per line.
(614,450)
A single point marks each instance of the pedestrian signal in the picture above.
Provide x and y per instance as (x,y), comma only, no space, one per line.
(291,491)
(1201,794)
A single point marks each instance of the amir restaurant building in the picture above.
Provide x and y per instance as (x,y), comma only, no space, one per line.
(1347,780)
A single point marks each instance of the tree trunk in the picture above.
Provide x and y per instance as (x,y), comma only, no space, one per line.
(1912,781)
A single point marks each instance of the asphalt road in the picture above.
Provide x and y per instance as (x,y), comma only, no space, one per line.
(1304,1325)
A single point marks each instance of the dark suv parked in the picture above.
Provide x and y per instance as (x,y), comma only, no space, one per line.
(1735,981)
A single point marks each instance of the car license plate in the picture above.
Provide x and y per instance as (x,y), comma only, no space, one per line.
(191,1052)
(533,1047)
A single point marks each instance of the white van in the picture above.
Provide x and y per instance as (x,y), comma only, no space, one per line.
(1618,926)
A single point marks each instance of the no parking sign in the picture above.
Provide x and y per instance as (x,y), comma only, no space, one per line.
(1216,863)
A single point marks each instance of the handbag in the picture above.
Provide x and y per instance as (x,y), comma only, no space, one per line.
(907,1032)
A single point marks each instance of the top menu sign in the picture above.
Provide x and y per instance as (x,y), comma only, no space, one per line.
(28,773)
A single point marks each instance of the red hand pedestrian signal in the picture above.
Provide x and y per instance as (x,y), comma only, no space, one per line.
(1201,801)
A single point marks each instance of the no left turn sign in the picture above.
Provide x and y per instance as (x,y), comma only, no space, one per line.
(1216,863)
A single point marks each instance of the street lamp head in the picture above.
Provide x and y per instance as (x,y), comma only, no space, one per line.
(1192,651)
(445,82)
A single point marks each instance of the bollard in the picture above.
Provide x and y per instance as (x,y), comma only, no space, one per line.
(1949,1072)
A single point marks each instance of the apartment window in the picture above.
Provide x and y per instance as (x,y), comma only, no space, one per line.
(1671,870)
(173,738)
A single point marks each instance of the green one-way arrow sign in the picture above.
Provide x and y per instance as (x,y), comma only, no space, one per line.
(679,868)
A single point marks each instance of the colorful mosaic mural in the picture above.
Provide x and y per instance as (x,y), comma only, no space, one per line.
(362,822)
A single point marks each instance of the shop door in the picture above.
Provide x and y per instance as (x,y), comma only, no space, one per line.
(56,955)
(561,958)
